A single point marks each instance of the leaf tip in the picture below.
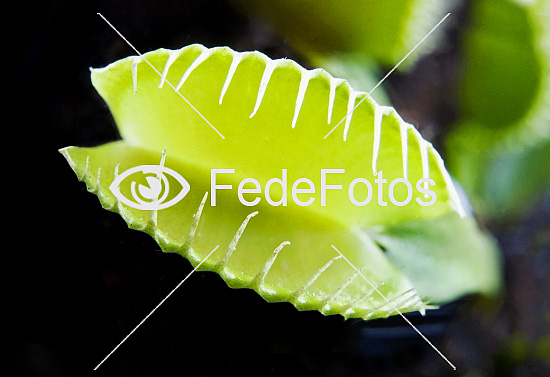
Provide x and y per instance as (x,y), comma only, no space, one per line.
(65,153)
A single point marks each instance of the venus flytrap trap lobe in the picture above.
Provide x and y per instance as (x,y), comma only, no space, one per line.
(270,250)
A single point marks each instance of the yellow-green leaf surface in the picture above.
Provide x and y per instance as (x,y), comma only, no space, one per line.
(379,29)
(500,149)
(271,115)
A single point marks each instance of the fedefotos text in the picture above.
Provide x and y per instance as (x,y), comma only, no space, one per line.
(303,191)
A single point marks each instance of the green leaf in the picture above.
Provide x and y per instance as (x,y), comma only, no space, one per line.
(268,115)
(499,149)
(441,250)
(381,30)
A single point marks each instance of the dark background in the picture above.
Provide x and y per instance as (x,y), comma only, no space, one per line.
(81,280)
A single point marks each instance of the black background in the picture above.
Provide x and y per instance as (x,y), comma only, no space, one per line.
(81,280)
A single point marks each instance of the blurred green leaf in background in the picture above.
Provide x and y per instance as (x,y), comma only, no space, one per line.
(500,148)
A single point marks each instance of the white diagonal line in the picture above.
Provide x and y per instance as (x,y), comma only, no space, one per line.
(389,73)
(156,307)
(160,74)
(388,302)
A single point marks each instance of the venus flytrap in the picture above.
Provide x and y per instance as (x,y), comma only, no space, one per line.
(275,117)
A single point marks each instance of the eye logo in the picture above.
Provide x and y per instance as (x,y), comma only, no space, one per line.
(151,196)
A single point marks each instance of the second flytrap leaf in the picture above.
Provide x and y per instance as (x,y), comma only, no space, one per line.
(378,29)
(500,149)
(272,119)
